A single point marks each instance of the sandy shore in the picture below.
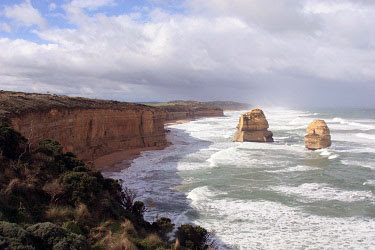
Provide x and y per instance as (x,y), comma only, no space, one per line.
(173,122)
(111,162)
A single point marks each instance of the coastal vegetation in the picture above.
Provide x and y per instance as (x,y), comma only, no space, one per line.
(50,199)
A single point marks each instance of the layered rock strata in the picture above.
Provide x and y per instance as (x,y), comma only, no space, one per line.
(253,127)
(318,135)
(90,128)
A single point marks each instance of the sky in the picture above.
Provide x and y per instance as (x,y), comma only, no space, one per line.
(284,52)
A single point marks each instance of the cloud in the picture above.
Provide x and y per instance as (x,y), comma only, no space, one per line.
(299,52)
(91,4)
(5,27)
(25,14)
(277,16)
(52,6)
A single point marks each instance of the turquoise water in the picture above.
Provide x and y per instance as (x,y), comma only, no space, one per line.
(266,195)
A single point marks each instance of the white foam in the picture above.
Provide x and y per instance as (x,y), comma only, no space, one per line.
(369,183)
(324,152)
(308,192)
(354,124)
(367,136)
(270,225)
(358,163)
(299,168)
(331,157)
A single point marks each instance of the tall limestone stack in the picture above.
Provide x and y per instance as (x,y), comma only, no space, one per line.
(318,135)
(253,127)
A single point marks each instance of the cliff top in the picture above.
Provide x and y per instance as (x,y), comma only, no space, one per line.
(173,106)
(16,103)
(224,105)
(179,105)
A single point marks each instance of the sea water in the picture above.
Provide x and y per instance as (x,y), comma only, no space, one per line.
(266,195)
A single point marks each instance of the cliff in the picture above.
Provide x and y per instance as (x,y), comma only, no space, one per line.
(186,110)
(89,128)
(229,105)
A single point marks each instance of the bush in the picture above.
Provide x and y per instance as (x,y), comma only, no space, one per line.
(192,237)
(51,236)
(13,236)
(117,242)
(50,147)
(83,216)
(128,228)
(72,227)
(59,162)
(163,226)
(59,214)
(152,241)
(27,198)
(138,209)
(10,142)
(80,187)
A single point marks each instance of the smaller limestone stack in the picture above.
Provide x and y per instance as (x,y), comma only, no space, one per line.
(318,135)
(253,127)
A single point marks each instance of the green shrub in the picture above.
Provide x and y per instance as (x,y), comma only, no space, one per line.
(192,237)
(80,187)
(13,236)
(51,236)
(138,209)
(59,162)
(163,226)
(152,241)
(10,142)
(72,227)
(50,147)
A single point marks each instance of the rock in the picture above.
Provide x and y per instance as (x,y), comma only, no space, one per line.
(318,135)
(253,127)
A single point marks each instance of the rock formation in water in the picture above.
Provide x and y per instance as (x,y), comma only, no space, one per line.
(318,135)
(90,128)
(253,127)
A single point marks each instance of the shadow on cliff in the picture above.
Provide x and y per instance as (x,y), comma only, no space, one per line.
(156,178)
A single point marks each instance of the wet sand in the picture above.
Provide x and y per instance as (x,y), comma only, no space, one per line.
(111,162)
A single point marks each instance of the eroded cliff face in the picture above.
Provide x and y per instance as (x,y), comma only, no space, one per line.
(94,133)
(90,130)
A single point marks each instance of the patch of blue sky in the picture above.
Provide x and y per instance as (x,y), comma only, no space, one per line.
(54,14)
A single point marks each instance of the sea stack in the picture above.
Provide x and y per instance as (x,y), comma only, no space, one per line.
(318,135)
(253,127)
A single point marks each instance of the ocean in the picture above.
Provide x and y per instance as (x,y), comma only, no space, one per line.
(266,195)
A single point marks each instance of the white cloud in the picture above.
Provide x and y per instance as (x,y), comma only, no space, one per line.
(277,16)
(222,52)
(5,27)
(91,4)
(52,6)
(25,14)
